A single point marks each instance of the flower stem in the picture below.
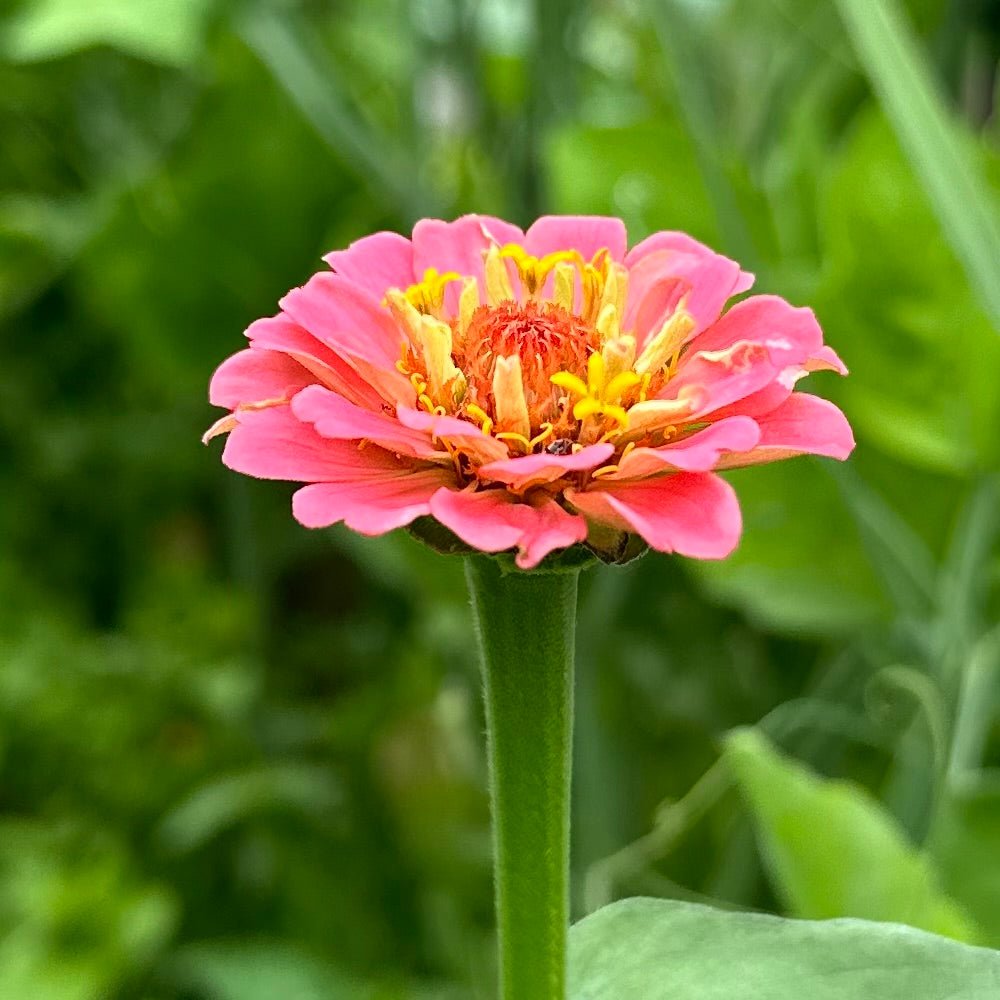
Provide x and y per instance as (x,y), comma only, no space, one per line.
(526,624)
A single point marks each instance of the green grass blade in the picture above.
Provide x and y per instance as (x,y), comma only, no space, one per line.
(959,195)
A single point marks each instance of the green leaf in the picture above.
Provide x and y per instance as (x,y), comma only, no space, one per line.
(164,31)
(832,850)
(648,949)
(940,153)
(262,970)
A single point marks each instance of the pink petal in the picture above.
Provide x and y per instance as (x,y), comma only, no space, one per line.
(826,359)
(791,335)
(681,243)
(338,419)
(253,376)
(585,233)
(531,470)
(376,263)
(695,514)
(491,521)
(802,425)
(699,453)
(461,434)
(459,246)
(371,507)
(660,280)
(274,444)
(347,319)
(721,379)
(281,333)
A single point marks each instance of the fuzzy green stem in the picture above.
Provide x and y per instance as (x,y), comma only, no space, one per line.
(526,624)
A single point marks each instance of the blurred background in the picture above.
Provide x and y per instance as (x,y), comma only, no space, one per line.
(243,761)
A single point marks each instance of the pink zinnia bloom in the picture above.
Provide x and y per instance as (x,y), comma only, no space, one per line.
(529,391)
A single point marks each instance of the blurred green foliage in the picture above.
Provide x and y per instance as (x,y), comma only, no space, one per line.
(239,760)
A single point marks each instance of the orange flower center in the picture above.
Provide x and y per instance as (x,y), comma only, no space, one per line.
(535,354)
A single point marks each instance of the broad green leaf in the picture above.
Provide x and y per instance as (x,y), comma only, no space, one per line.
(832,850)
(650,949)
(165,31)
(940,153)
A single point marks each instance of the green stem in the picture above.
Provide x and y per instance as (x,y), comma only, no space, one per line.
(526,624)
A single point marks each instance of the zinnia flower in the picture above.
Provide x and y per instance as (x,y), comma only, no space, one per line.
(528,391)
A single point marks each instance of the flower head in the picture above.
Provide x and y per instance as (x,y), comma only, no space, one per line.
(528,391)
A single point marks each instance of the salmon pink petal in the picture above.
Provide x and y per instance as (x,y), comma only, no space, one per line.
(371,507)
(376,263)
(721,378)
(531,470)
(586,234)
(253,376)
(826,359)
(338,419)
(681,243)
(491,522)
(700,452)
(347,319)
(802,425)
(461,434)
(274,444)
(695,514)
(659,282)
(281,333)
(460,245)
(791,334)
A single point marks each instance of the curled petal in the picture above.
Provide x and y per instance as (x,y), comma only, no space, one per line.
(347,319)
(252,376)
(532,470)
(826,359)
(371,506)
(660,281)
(721,378)
(700,452)
(491,522)
(791,334)
(694,514)
(282,333)
(802,425)
(376,263)
(678,242)
(460,434)
(334,417)
(587,234)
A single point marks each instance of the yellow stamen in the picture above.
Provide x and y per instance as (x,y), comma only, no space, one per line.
(532,270)
(481,417)
(515,437)
(546,432)
(427,296)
